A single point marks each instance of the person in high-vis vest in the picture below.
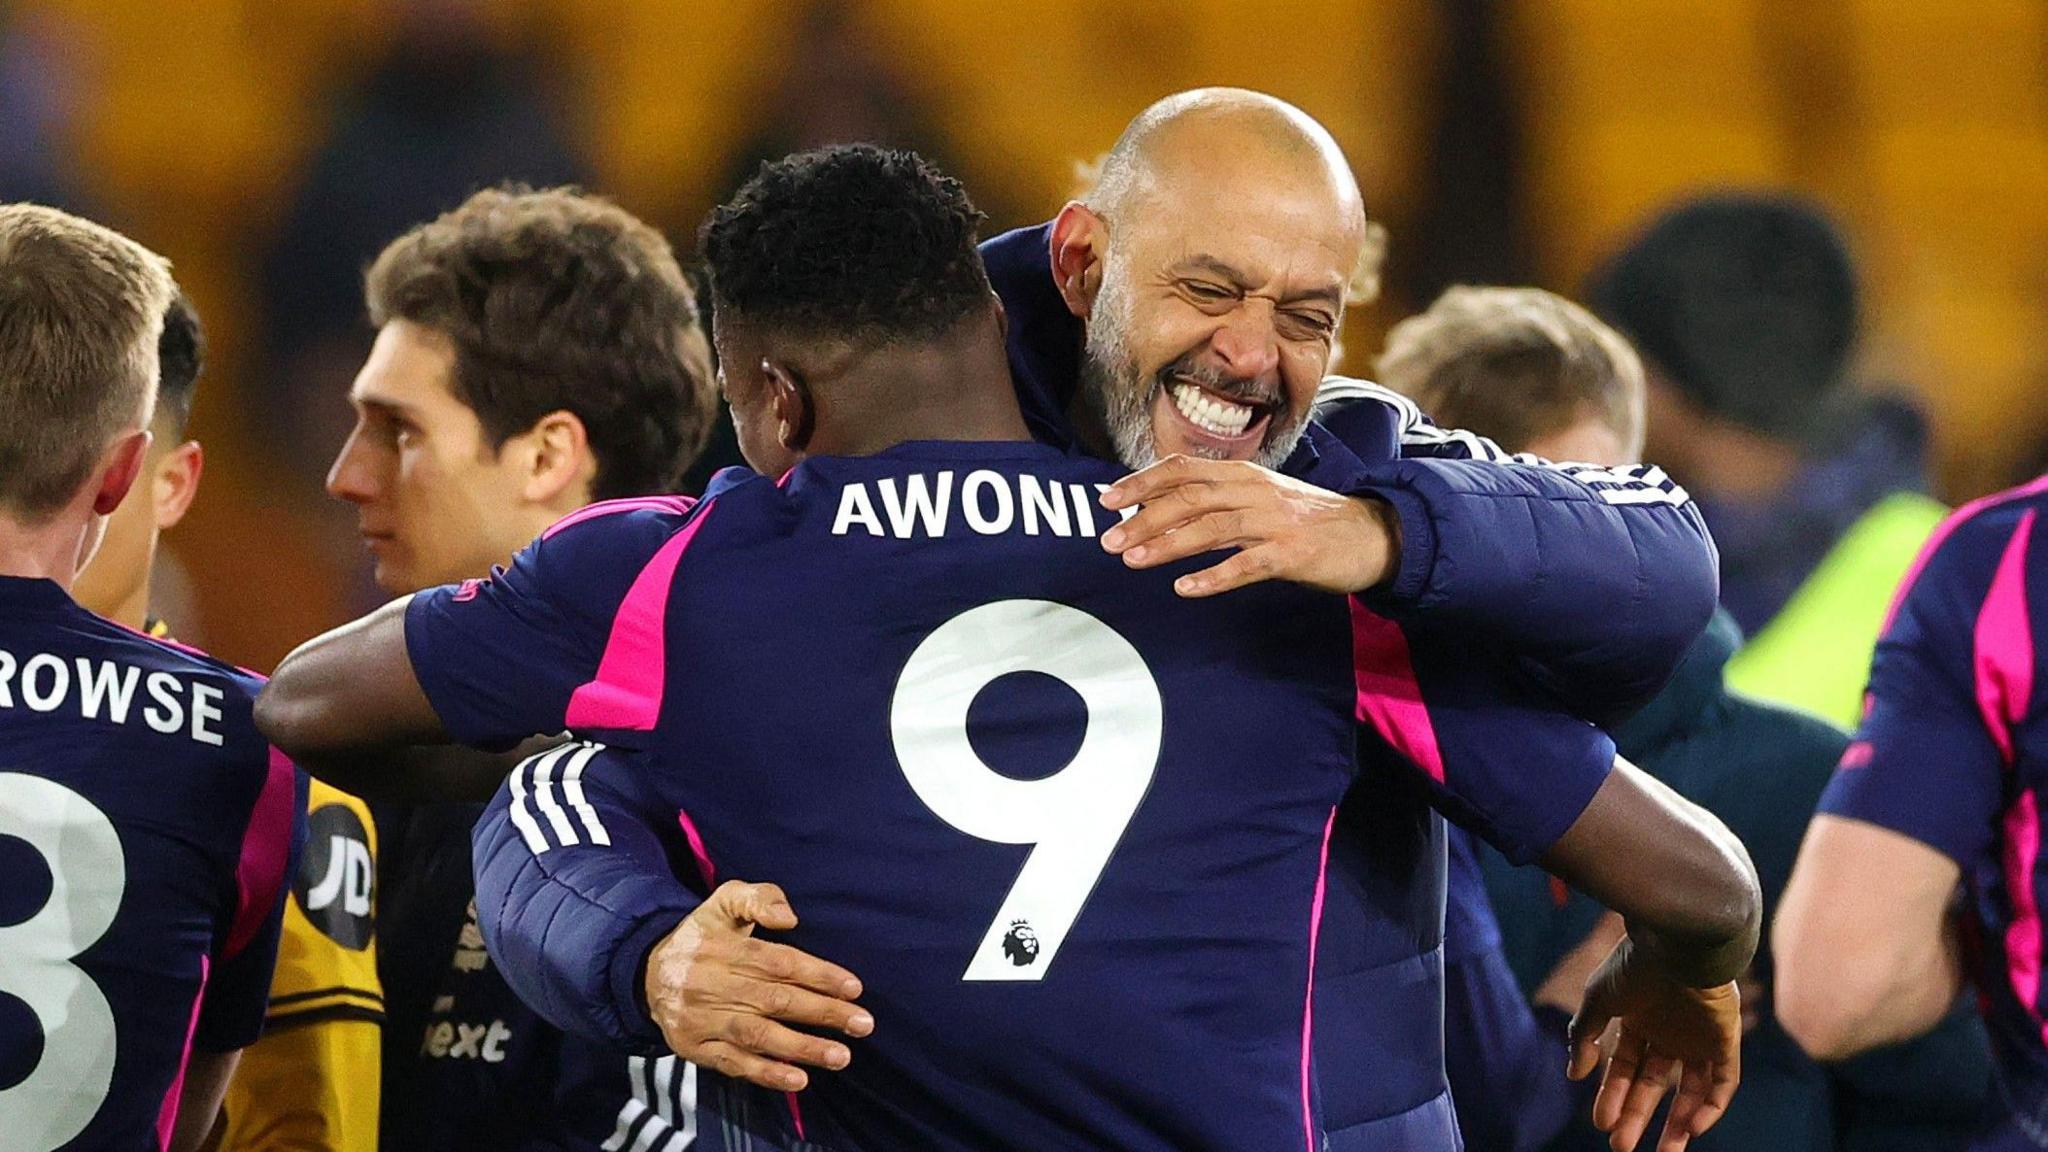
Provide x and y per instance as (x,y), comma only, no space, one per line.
(311,1082)
(1744,307)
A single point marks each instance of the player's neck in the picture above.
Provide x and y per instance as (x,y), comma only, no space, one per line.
(945,391)
(133,610)
(50,550)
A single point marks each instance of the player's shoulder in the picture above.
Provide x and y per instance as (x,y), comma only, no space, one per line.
(624,519)
(613,534)
(164,654)
(1966,549)
(1338,392)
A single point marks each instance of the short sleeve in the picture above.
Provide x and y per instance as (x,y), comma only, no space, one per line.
(327,956)
(1926,760)
(570,635)
(1499,756)
(237,991)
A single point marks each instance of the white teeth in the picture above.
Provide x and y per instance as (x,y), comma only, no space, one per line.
(1210,413)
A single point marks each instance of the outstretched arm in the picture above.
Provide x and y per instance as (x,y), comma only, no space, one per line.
(1862,965)
(487,663)
(349,709)
(352,687)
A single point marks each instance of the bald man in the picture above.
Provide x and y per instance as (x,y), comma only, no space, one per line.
(1181,318)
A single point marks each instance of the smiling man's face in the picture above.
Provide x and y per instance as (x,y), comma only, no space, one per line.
(1219,303)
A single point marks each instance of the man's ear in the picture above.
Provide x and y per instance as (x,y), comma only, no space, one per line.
(796,414)
(559,448)
(177,482)
(1080,245)
(119,467)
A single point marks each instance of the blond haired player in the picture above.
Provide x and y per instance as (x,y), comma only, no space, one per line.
(311,1082)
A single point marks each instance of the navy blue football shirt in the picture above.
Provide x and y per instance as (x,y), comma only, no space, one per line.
(1070,827)
(146,833)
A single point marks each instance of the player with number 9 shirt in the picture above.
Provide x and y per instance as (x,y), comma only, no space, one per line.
(146,829)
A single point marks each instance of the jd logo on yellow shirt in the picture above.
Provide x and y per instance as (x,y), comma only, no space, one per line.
(335,878)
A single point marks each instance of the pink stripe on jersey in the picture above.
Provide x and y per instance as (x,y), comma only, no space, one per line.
(1956,519)
(266,849)
(676,504)
(1308,1007)
(2004,644)
(704,866)
(2003,669)
(796,1114)
(626,693)
(2022,847)
(709,872)
(167,1114)
(1389,698)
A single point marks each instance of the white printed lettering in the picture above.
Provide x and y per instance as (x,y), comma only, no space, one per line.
(204,710)
(60,682)
(169,713)
(856,508)
(101,682)
(1084,508)
(1043,499)
(494,1042)
(918,501)
(6,674)
(985,524)
(439,1037)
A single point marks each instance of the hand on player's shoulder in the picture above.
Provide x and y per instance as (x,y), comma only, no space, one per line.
(1279,527)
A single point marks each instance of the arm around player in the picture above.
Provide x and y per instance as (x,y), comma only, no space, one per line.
(593,929)
(1594,580)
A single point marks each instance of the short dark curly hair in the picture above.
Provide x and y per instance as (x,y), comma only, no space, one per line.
(559,301)
(180,355)
(851,240)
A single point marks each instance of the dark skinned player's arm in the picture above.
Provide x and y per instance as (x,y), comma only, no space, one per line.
(347,707)
(1681,881)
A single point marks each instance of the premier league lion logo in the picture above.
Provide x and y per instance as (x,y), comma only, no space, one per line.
(1021,944)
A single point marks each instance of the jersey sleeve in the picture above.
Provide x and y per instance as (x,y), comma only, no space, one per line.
(237,991)
(570,635)
(327,954)
(1497,754)
(1596,579)
(575,884)
(1947,682)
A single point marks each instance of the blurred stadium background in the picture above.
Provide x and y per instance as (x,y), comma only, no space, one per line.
(270,147)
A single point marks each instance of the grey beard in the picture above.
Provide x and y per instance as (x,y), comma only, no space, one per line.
(1113,390)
